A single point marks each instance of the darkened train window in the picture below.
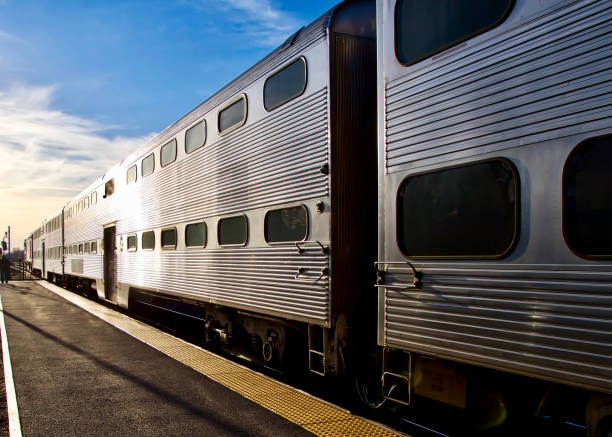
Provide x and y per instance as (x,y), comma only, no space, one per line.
(80,248)
(195,137)
(232,230)
(87,247)
(469,211)
(233,115)
(168,238)
(423,28)
(195,235)
(132,243)
(148,240)
(147,165)
(109,188)
(168,153)
(587,199)
(286,84)
(286,224)
(132,175)
(94,247)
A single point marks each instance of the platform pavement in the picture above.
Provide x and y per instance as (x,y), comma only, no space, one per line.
(75,374)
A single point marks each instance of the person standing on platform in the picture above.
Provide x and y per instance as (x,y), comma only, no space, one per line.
(5,267)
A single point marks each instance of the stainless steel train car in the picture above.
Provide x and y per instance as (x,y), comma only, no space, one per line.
(495,164)
(259,213)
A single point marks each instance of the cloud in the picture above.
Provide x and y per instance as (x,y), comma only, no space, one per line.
(48,156)
(259,22)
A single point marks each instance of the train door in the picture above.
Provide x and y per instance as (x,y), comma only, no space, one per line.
(110,283)
(44,256)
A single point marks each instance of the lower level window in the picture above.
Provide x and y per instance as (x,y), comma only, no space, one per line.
(468,211)
(148,240)
(233,231)
(168,238)
(286,224)
(587,198)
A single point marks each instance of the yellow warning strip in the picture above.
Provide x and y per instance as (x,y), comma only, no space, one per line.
(313,414)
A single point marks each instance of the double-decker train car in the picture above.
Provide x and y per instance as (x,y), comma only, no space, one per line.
(260,212)
(495,164)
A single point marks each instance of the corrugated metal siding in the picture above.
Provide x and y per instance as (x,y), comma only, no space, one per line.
(271,162)
(529,319)
(259,279)
(523,85)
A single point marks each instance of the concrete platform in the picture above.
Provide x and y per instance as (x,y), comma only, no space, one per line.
(82,369)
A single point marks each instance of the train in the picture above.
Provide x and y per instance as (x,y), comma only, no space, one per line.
(414,194)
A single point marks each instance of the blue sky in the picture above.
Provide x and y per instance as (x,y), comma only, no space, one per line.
(83,83)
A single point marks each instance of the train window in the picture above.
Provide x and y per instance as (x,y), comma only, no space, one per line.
(75,249)
(86,202)
(80,248)
(94,247)
(80,206)
(195,235)
(233,115)
(462,212)
(148,240)
(168,153)
(195,137)
(131,175)
(286,224)
(94,198)
(587,203)
(168,238)
(425,28)
(132,243)
(232,230)
(285,85)
(87,247)
(147,166)
(109,188)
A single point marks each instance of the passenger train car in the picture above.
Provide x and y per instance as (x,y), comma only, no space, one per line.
(411,193)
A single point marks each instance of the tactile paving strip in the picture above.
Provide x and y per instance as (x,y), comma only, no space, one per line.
(313,414)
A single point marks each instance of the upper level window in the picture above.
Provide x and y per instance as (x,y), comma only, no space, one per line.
(131,175)
(587,198)
(147,165)
(232,230)
(168,153)
(94,247)
(195,137)
(109,188)
(87,247)
(80,205)
(286,224)
(233,115)
(86,202)
(195,235)
(132,243)
(94,198)
(168,238)
(148,240)
(423,28)
(286,84)
(463,212)
(81,248)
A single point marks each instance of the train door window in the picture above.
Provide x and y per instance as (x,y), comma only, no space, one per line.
(80,248)
(168,238)
(587,202)
(285,85)
(148,240)
(131,175)
(425,28)
(195,137)
(195,235)
(87,247)
(233,115)
(109,188)
(469,211)
(94,198)
(94,247)
(233,231)
(168,153)
(132,243)
(286,224)
(147,166)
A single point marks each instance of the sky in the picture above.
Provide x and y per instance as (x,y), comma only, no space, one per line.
(84,83)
